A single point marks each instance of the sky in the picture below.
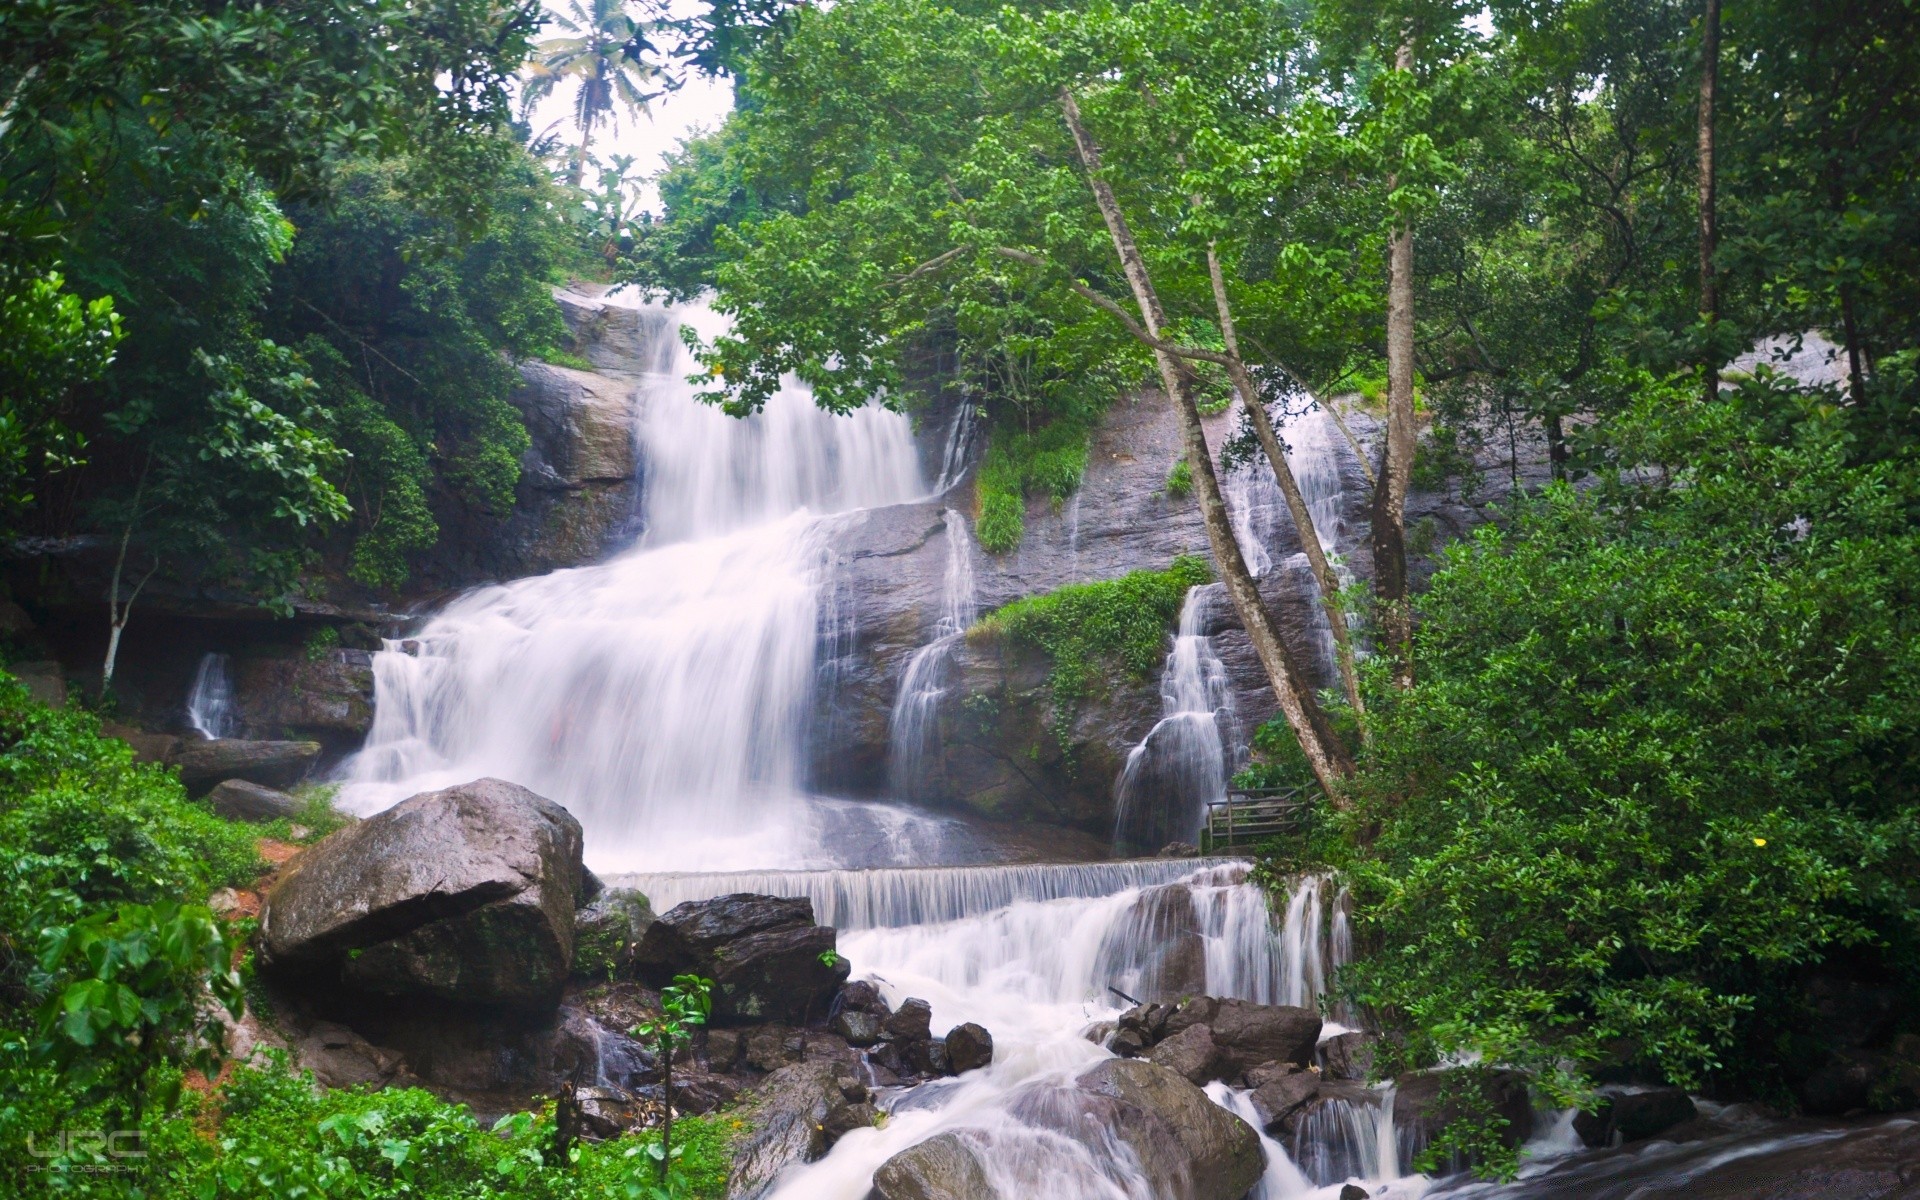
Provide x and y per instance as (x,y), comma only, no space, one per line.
(700,104)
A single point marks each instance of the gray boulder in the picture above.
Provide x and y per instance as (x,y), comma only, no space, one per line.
(238,800)
(969,1047)
(1190,1054)
(1279,1094)
(276,764)
(766,957)
(465,894)
(607,933)
(326,697)
(1634,1116)
(859,1028)
(1250,1034)
(946,1166)
(912,1023)
(788,1116)
(1188,1146)
(1347,1056)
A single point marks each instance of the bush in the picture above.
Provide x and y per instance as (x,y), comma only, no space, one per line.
(1048,462)
(1662,757)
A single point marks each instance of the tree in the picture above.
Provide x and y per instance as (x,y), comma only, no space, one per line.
(605,57)
(684,1006)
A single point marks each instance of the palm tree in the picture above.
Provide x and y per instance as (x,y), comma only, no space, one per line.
(604,55)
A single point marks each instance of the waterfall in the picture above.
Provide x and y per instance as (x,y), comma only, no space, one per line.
(664,695)
(1182,763)
(956,455)
(210,703)
(913,728)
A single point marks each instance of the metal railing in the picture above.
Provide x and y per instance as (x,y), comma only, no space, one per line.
(1248,816)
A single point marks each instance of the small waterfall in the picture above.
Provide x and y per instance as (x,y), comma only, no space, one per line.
(913,727)
(210,703)
(1348,1138)
(956,455)
(1283,1180)
(1182,763)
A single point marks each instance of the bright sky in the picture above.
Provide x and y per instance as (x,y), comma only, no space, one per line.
(701,104)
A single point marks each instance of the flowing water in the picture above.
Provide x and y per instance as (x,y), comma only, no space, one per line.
(210,703)
(665,697)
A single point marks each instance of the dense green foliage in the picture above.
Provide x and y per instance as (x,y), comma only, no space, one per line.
(1663,756)
(1088,629)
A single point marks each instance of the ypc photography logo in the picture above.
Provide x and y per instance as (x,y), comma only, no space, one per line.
(89,1150)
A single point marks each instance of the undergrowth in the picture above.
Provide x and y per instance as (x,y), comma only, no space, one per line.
(1049,461)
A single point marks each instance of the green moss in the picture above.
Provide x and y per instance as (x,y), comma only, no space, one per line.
(1090,629)
(1049,461)
(1180,480)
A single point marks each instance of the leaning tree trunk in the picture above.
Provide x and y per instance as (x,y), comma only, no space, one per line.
(1396,474)
(1325,755)
(1303,523)
(1709,232)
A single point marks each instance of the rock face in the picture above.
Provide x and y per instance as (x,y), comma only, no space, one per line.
(766,957)
(1634,1116)
(1204,1038)
(465,894)
(275,764)
(791,1116)
(238,800)
(321,699)
(607,934)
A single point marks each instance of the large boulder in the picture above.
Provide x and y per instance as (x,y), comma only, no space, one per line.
(465,894)
(328,696)
(238,800)
(1190,1054)
(607,934)
(1634,1116)
(969,1047)
(946,1166)
(766,957)
(1188,1146)
(275,764)
(1250,1034)
(789,1116)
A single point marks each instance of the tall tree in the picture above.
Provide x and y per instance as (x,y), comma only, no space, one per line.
(605,56)
(1709,232)
(1396,468)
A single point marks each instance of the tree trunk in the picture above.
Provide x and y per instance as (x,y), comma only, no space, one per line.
(1396,473)
(579,168)
(1303,523)
(1325,755)
(1709,233)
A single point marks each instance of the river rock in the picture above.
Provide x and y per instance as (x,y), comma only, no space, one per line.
(766,957)
(788,1117)
(275,764)
(861,1029)
(607,933)
(1189,1054)
(862,995)
(238,800)
(1279,1095)
(465,894)
(1185,1143)
(1634,1116)
(1250,1034)
(1421,1109)
(946,1166)
(969,1047)
(912,1022)
(1165,920)
(1347,1055)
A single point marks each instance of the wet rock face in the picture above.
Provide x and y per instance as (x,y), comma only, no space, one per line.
(1423,1105)
(607,935)
(946,1166)
(796,1115)
(1186,1144)
(323,699)
(238,800)
(466,895)
(1634,1116)
(274,764)
(766,957)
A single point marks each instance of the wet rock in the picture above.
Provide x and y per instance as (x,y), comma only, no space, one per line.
(859,1028)
(465,894)
(788,1117)
(148,747)
(1250,1034)
(766,957)
(275,764)
(1190,1054)
(770,1047)
(698,1094)
(928,1057)
(1634,1116)
(969,1047)
(238,800)
(1353,1191)
(1422,1107)
(1271,1072)
(607,934)
(1347,1056)
(862,995)
(946,1166)
(1129,1043)
(1186,1144)
(1165,919)
(845,1120)
(317,698)
(1179,850)
(1277,1099)
(608,1112)
(340,1057)
(912,1023)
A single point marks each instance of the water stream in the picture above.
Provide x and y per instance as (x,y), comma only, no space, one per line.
(664,696)
(210,702)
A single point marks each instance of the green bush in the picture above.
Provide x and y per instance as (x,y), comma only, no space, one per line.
(1180,480)
(1048,462)
(1663,756)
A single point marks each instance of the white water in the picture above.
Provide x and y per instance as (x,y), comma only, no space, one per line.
(1183,762)
(663,696)
(210,703)
(913,726)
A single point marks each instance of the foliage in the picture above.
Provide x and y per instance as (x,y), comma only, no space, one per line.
(50,341)
(684,1005)
(1180,480)
(1117,625)
(1661,757)
(603,58)
(1017,465)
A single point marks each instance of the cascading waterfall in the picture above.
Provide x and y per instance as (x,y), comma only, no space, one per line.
(210,703)
(913,726)
(663,696)
(1183,761)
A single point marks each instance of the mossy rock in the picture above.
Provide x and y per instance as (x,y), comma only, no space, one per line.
(606,932)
